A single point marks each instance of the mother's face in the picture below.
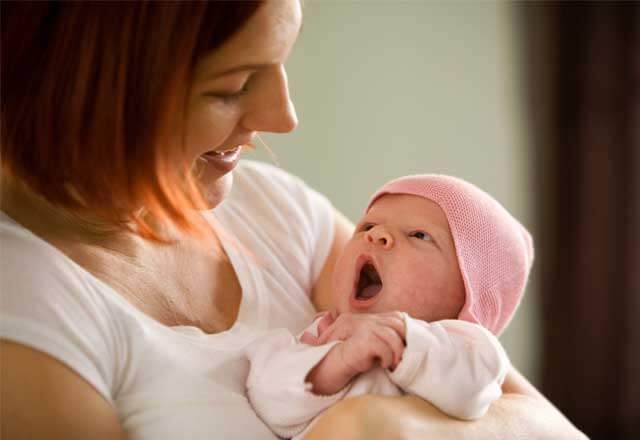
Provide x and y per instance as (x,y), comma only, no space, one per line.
(240,89)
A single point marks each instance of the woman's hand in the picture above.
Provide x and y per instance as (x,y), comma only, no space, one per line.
(372,417)
(410,417)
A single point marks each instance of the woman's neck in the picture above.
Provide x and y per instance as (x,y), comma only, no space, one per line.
(58,225)
(66,230)
(159,278)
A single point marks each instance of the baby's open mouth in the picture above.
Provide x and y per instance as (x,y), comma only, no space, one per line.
(369,283)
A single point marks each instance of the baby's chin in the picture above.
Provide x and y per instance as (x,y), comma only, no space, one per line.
(345,307)
(355,307)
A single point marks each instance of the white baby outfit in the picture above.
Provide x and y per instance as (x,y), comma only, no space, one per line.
(168,383)
(456,365)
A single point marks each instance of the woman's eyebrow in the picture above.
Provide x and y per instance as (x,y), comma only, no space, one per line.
(240,68)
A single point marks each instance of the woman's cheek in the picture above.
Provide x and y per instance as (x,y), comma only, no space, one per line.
(210,126)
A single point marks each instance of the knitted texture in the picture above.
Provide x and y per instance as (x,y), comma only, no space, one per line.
(495,252)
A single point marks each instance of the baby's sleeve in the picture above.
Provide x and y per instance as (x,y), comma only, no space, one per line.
(276,383)
(456,365)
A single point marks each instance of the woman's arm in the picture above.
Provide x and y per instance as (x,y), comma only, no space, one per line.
(514,415)
(42,398)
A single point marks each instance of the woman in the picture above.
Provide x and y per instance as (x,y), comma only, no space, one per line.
(127,300)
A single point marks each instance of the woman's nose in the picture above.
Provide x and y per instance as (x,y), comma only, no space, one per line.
(379,235)
(271,109)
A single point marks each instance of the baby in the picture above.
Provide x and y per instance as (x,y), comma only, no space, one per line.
(433,273)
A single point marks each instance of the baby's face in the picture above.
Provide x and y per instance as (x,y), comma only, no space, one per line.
(400,258)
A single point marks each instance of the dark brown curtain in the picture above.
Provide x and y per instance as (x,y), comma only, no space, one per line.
(583,71)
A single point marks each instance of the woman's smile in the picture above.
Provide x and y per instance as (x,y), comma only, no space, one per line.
(225,160)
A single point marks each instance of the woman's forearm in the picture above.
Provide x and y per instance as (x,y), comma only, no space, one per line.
(522,412)
(512,416)
(376,417)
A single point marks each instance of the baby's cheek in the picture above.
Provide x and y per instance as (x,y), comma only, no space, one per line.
(420,301)
(341,275)
(422,292)
(419,275)
(339,271)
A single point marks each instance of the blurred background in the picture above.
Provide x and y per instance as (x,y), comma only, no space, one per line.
(536,103)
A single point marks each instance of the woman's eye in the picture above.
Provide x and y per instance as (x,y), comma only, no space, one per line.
(230,97)
(421,235)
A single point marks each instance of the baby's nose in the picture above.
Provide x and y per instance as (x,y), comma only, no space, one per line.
(379,235)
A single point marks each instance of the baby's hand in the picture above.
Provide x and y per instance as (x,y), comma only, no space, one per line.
(326,319)
(368,339)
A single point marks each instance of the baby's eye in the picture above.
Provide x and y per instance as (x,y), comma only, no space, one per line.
(367,227)
(421,235)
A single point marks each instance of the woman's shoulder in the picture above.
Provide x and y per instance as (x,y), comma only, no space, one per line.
(49,304)
(251,176)
(25,256)
(38,281)
(280,218)
(264,187)
(277,197)
(263,170)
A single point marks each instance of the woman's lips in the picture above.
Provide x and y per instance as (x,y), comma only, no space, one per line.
(224,161)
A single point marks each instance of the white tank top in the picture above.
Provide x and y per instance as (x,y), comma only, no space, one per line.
(174,382)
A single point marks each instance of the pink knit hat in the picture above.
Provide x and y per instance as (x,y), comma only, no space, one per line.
(494,250)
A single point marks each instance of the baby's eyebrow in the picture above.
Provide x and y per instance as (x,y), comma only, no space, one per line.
(440,230)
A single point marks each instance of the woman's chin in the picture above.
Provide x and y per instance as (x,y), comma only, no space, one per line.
(214,185)
(216,190)
(213,173)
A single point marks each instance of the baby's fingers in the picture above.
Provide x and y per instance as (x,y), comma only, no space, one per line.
(339,330)
(394,343)
(325,322)
(395,320)
(382,351)
(309,339)
(332,333)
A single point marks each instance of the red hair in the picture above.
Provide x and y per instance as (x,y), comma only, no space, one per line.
(94,100)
